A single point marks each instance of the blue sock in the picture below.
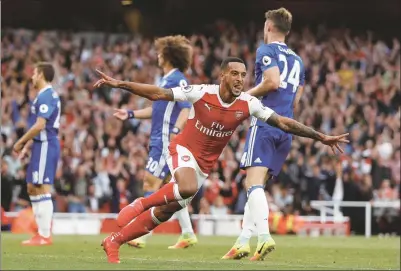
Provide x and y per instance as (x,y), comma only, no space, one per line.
(148,193)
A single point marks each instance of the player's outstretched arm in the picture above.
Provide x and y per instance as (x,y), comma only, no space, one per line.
(294,127)
(150,92)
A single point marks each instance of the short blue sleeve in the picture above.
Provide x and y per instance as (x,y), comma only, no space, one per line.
(266,58)
(45,105)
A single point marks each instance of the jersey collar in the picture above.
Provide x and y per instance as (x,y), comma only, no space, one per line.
(169,73)
(279,43)
(43,89)
(226,105)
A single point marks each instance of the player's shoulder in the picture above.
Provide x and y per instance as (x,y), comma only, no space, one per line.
(283,48)
(247,97)
(202,88)
(48,95)
(177,78)
(265,48)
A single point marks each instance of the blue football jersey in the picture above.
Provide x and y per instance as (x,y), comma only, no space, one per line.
(165,113)
(292,75)
(46,105)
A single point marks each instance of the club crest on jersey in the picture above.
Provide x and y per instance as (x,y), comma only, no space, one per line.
(185,158)
(239,114)
(266,60)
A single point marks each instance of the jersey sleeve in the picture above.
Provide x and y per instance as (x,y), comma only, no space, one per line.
(266,58)
(258,110)
(180,82)
(190,93)
(45,106)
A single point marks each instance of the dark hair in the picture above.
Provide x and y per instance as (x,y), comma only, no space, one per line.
(281,18)
(46,69)
(177,50)
(228,60)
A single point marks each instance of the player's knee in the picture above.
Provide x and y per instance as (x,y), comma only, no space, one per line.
(187,182)
(256,176)
(31,189)
(164,213)
(188,190)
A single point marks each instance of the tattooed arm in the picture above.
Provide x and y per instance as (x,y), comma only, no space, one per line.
(294,127)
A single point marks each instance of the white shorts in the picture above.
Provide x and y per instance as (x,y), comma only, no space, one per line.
(184,158)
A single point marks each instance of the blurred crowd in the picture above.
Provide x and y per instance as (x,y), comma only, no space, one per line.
(352,85)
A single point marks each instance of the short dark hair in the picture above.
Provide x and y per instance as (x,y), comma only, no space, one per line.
(228,60)
(177,50)
(281,18)
(46,69)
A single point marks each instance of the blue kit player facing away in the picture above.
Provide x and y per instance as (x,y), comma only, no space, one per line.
(168,119)
(42,139)
(279,84)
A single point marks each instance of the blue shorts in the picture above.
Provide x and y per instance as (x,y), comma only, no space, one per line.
(266,147)
(43,165)
(157,164)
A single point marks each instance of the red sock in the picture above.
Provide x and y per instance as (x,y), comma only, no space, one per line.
(142,225)
(161,197)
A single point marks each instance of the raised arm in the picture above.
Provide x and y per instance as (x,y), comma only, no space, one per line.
(292,126)
(150,92)
(296,128)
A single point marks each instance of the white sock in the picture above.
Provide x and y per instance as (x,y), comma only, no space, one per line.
(184,220)
(259,211)
(248,226)
(35,208)
(145,237)
(42,206)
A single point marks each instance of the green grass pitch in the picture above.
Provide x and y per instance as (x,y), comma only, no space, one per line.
(85,252)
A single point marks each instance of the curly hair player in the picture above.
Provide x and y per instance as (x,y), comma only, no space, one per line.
(216,112)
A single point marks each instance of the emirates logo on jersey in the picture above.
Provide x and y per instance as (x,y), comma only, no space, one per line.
(216,129)
(186,158)
(239,114)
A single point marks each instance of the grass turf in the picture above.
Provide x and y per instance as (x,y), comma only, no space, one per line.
(85,252)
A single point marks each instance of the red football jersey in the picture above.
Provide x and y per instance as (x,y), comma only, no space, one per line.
(212,122)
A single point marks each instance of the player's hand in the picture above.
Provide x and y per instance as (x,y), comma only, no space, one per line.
(334,142)
(121,114)
(23,152)
(18,147)
(172,136)
(105,80)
